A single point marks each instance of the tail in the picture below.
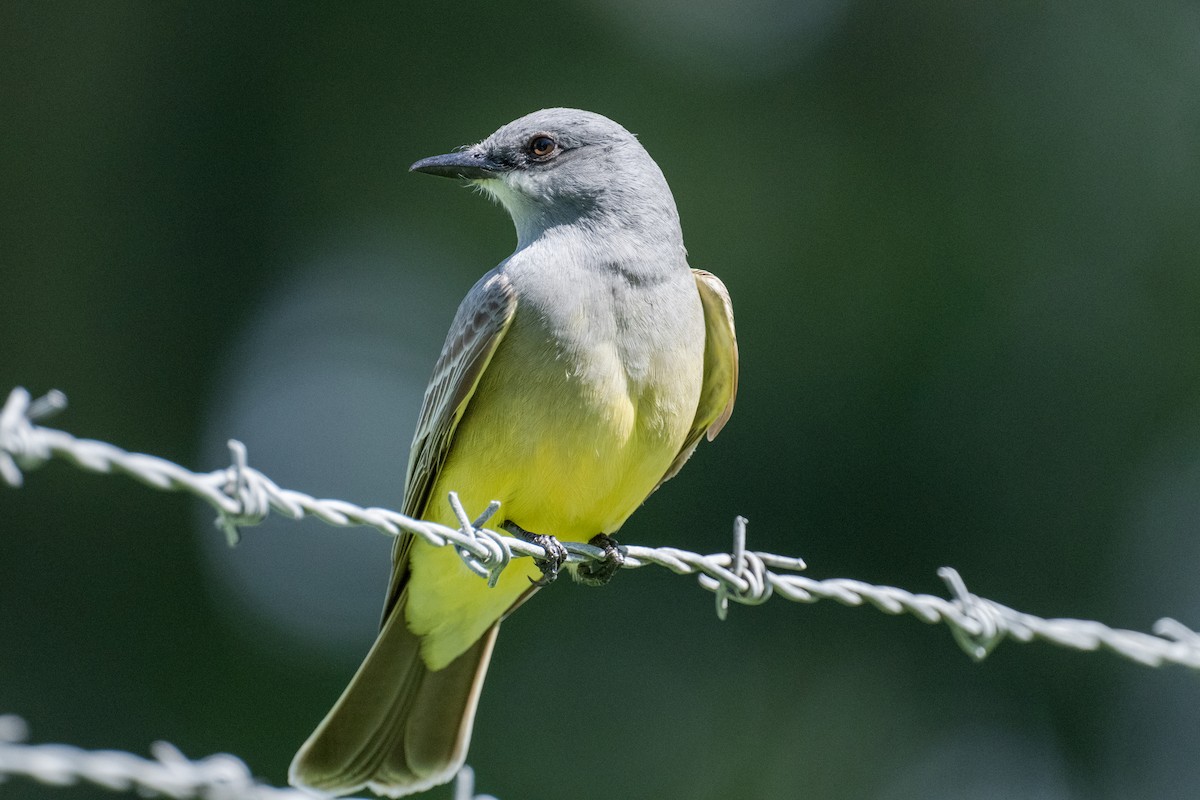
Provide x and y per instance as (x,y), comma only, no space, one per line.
(398,728)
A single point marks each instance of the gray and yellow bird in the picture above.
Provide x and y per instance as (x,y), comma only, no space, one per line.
(577,377)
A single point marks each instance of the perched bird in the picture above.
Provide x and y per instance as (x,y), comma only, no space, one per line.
(577,377)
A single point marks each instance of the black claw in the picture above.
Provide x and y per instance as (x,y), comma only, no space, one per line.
(598,573)
(556,554)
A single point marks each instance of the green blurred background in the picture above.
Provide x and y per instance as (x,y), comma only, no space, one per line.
(962,246)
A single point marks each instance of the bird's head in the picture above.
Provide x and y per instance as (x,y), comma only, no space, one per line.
(563,166)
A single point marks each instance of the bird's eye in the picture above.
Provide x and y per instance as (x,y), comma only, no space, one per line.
(541,145)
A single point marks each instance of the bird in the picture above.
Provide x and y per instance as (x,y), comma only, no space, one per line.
(577,377)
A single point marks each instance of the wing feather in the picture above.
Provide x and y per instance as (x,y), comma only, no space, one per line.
(480,324)
(719,387)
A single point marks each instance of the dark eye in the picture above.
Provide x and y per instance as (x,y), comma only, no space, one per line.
(541,146)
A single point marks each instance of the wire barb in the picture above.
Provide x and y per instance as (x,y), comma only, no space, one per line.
(243,496)
(246,488)
(464,785)
(490,554)
(749,571)
(47,405)
(986,628)
(16,435)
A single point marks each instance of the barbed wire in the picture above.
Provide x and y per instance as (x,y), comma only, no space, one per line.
(168,772)
(243,497)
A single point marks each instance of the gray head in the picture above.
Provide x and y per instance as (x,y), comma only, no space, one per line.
(563,166)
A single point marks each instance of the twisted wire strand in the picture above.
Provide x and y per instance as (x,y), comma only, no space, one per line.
(168,772)
(242,497)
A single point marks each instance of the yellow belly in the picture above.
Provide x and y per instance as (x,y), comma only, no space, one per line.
(570,455)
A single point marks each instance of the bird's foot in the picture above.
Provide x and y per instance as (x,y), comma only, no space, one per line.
(556,554)
(598,573)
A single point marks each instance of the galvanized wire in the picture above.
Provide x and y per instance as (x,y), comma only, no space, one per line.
(168,772)
(242,497)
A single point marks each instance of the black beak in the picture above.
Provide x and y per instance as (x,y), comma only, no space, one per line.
(471,164)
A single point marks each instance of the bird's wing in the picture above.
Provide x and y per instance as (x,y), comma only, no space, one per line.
(719,387)
(480,324)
